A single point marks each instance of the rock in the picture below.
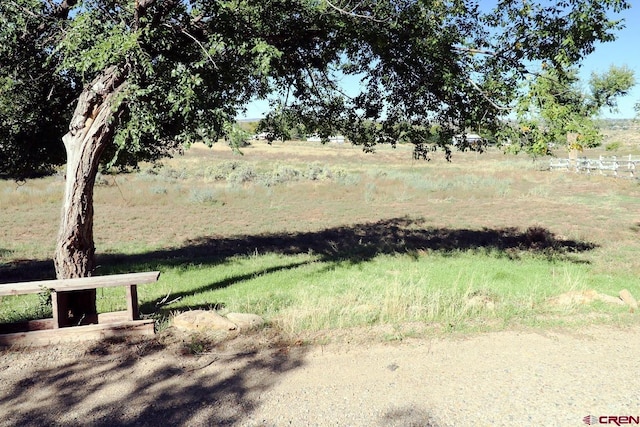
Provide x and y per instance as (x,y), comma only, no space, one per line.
(583,297)
(609,299)
(480,301)
(246,320)
(626,296)
(202,320)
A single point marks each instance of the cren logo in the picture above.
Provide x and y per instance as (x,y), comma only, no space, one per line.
(590,420)
(617,420)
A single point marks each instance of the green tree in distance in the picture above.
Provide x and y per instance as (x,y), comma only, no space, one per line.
(557,109)
(150,77)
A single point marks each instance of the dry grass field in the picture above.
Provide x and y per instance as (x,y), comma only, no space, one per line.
(323,237)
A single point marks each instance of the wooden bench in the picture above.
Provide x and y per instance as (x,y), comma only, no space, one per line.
(62,289)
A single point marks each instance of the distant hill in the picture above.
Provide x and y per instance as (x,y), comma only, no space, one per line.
(618,124)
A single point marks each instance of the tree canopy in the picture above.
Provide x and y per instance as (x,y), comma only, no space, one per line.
(190,66)
(35,97)
(557,105)
(121,81)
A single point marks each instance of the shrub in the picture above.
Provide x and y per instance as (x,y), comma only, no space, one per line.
(280,175)
(613,146)
(243,173)
(158,190)
(317,172)
(345,178)
(203,195)
(173,174)
(101,181)
(221,171)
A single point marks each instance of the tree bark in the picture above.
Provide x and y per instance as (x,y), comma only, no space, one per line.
(90,131)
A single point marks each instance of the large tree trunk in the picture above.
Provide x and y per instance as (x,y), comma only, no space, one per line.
(90,131)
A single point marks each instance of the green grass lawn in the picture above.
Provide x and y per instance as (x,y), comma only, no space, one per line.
(318,239)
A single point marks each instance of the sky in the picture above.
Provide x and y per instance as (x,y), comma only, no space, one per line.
(625,50)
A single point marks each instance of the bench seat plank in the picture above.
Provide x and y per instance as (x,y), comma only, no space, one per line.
(21,288)
(65,285)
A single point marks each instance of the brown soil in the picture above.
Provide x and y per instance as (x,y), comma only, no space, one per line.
(505,378)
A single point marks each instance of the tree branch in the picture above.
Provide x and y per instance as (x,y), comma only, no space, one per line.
(474,50)
(186,33)
(486,97)
(25,10)
(353,14)
(140,10)
(334,86)
(62,9)
(498,54)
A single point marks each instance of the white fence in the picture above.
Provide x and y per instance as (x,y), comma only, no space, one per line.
(613,165)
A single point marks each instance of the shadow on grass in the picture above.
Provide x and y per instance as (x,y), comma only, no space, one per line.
(136,384)
(153,306)
(143,384)
(354,244)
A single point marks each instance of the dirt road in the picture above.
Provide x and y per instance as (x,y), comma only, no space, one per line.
(509,378)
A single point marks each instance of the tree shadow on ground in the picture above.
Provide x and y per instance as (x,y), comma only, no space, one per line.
(150,307)
(355,243)
(408,417)
(136,384)
(143,384)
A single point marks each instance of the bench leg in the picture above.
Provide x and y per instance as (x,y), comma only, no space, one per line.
(74,308)
(133,311)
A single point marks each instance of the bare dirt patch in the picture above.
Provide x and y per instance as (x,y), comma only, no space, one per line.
(504,378)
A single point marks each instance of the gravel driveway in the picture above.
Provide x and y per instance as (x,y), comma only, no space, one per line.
(511,378)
